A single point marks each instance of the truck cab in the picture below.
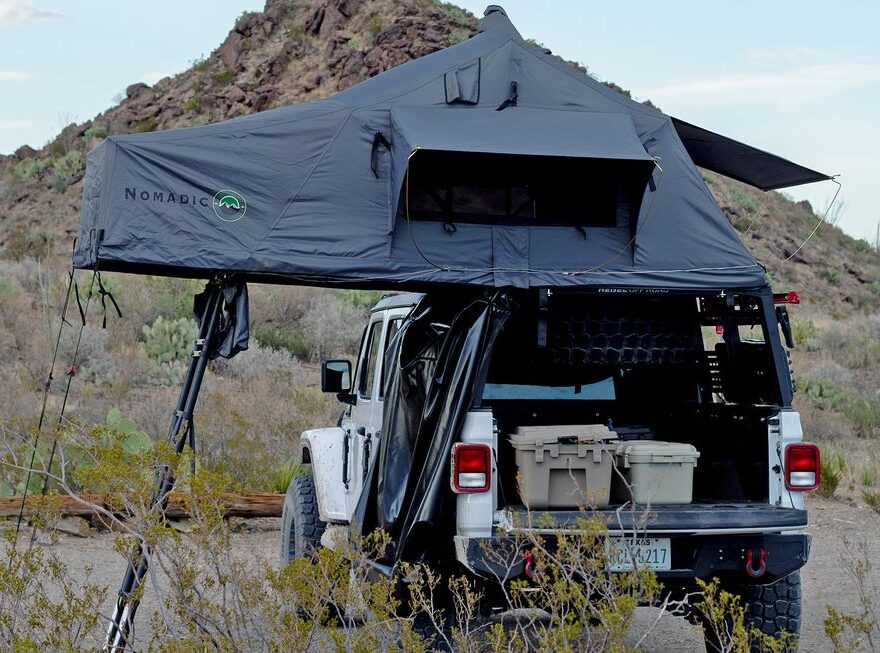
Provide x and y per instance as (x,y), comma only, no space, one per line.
(703,369)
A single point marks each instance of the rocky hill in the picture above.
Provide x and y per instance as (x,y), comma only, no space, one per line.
(301,50)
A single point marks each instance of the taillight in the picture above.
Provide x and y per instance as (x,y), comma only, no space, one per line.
(802,466)
(790,297)
(471,467)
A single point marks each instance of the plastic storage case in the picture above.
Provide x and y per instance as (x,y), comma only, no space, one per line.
(658,472)
(564,466)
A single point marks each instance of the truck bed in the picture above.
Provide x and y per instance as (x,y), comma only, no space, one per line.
(702,518)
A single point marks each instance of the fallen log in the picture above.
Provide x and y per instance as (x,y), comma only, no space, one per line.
(257,504)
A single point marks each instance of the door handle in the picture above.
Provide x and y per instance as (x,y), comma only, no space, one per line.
(345,447)
(362,430)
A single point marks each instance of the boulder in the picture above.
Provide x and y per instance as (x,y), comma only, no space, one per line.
(134,90)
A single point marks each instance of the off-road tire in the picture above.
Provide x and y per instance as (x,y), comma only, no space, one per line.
(772,609)
(775,608)
(301,529)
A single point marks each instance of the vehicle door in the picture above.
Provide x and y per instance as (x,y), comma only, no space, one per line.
(359,426)
(367,414)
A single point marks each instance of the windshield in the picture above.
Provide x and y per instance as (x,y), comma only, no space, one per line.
(600,391)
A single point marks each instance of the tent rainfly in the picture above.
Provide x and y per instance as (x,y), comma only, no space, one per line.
(489,163)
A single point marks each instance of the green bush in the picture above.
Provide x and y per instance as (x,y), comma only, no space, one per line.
(285,472)
(872,499)
(745,201)
(455,13)
(294,30)
(869,474)
(802,329)
(194,104)
(832,275)
(831,470)
(225,76)
(69,167)
(375,25)
(23,243)
(29,168)
(201,64)
(823,393)
(145,125)
(296,341)
(360,298)
(97,130)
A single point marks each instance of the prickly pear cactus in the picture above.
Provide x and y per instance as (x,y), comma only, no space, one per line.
(167,344)
(169,341)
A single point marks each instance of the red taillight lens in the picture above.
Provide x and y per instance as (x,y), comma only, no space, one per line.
(471,467)
(802,467)
(790,297)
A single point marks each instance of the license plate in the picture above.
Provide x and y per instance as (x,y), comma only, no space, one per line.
(654,553)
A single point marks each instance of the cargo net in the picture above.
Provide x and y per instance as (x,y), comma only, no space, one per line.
(627,338)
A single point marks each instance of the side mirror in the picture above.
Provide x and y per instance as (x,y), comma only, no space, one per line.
(336,376)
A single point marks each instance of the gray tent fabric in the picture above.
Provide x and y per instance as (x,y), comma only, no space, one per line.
(742,162)
(570,185)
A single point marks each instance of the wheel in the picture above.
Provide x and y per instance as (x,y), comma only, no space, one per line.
(772,609)
(301,529)
(775,608)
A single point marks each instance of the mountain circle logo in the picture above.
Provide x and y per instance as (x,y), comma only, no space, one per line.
(229,205)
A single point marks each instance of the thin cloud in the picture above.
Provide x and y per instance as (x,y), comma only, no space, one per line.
(17,125)
(23,12)
(793,86)
(13,76)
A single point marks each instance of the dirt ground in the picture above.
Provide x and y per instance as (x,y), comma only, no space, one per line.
(831,522)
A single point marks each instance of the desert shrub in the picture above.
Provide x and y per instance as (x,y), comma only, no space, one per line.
(22,242)
(144,125)
(363,299)
(455,13)
(823,392)
(201,120)
(285,472)
(832,275)
(295,340)
(335,326)
(869,474)
(97,130)
(375,24)
(872,499)
(745,201)
(831,471)
(278,364)
(802,330)
(294,30)
(68,168)
(851,631)
(44,608)
(225,76)
(194,104)
(29,168)
(200,64)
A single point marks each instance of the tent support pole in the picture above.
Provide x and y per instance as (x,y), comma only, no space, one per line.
(179,433)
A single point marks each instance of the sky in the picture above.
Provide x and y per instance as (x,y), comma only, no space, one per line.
(799,78)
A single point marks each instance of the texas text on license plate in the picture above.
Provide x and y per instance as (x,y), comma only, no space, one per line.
(653,553)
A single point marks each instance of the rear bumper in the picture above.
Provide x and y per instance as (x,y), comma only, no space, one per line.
(501,559)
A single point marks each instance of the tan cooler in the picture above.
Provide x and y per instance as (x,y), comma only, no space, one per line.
(659,472)
(564,466)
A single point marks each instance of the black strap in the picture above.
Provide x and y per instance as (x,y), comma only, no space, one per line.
(104,295)
(82,312)
(511,99)
(378,139)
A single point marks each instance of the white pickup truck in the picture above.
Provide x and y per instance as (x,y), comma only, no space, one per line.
(706,368)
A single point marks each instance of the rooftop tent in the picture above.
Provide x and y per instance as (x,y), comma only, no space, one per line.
(489,163)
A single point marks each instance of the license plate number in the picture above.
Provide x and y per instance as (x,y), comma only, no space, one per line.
(654,553)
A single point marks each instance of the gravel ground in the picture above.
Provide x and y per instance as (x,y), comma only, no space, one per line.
(823,582)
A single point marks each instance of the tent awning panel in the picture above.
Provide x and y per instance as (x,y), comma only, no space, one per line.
(742,162)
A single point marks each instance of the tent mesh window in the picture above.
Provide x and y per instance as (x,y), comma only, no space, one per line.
(505,189)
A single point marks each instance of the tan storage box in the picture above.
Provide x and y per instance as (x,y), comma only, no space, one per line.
(659,472)
(564,466)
